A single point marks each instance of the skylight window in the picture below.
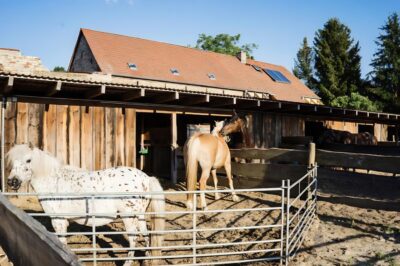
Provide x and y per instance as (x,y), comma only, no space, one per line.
(132,66)
(175,71)
(212,76)
(256,68)
(276,75)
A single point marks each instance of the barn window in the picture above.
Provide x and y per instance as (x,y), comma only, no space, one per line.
(132,66)
(276,75)
(256,68)
(366,128)
(175,71)
(211,76)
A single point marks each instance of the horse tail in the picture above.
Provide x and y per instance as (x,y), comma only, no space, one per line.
(191,167)
(157,205)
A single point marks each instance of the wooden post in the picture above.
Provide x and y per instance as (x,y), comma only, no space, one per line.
(141,165)
(396,134)
(311,155)
(174,146)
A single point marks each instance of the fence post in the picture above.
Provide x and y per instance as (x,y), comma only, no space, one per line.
(3,110)
(287,221)
(194,235)
(311,164)
(282,219)
(94,232)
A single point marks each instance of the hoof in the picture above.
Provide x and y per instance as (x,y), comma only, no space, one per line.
(189,205)
(217,197)
(235,198)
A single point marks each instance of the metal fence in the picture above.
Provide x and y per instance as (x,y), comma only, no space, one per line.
(266,225)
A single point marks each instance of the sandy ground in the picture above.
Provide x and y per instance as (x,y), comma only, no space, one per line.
(341,235)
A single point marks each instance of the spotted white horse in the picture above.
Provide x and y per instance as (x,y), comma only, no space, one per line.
(46,174)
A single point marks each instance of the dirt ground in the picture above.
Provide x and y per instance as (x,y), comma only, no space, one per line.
(343,234)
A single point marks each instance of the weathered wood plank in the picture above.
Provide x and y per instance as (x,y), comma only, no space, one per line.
(74,136)
(10,116)
(61,138)
(275,154)
(381,163)
(130,137)
(110,137)
(99,138)
(272,172)
(86,138)
(22,123)
(27,242)
(119,137)
(50,129)
(35,118)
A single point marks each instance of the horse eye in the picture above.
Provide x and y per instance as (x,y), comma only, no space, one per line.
(28,161)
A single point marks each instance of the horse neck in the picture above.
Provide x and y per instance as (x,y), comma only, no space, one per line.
(245,136)
(45,178)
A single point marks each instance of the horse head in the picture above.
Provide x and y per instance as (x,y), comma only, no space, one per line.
(25,163)
(235,124)
(19,159)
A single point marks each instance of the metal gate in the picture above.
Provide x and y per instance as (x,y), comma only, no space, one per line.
(267,225)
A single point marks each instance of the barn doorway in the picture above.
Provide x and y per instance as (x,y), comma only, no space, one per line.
(153,139)
(314,129)
(366,128)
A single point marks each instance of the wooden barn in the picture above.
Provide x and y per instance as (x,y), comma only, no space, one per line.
(130,101)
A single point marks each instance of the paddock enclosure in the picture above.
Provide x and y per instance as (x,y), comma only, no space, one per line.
(102,118)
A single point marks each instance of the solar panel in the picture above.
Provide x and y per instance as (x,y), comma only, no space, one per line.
(276,75)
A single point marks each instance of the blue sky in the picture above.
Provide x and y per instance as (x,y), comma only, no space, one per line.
(49,29)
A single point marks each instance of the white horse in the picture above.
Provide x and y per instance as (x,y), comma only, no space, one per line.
(47,174)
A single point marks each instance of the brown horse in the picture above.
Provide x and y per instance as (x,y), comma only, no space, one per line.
(211,152)
(332,136)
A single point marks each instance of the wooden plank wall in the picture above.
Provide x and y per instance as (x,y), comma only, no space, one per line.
(274,126)
(92,138)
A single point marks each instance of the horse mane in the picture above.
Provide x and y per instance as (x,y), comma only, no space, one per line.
(42,163)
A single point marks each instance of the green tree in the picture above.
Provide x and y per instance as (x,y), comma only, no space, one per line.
(356,101)
(337,61)
(224,44)
(303,64)
(59,69)
(386,65)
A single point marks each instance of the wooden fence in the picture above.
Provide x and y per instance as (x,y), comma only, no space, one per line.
(27,242)
(257,167)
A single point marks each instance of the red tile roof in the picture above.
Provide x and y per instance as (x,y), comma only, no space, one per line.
(154,60)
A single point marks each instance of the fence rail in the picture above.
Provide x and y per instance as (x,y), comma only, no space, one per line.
(284,234)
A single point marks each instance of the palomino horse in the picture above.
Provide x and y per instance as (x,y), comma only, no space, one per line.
(211,152)
(46,174)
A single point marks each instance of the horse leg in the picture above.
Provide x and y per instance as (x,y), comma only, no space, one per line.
(214,175)
(131,226)
(143,231)
(60,227)
(228,171)
(205,174)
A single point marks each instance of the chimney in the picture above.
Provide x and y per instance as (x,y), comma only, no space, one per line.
(242,56)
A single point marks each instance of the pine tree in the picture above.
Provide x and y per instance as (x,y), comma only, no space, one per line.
(386,65)
(303,64)
(337,61)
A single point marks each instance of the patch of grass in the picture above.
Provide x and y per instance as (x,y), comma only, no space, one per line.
(379,255)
